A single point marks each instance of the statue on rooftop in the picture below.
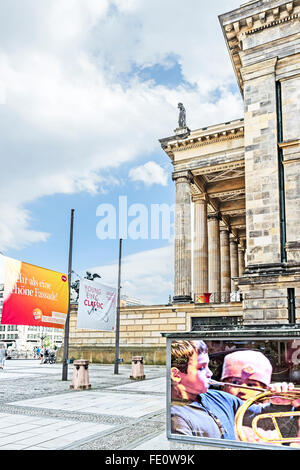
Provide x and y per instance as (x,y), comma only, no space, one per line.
(182,115)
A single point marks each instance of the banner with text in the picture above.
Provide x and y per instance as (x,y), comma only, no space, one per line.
(33,295)
(96,306)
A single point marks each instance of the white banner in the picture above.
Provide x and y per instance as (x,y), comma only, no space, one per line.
(96,306)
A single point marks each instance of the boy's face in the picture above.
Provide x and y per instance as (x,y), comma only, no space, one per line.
(196,380)
(242,393)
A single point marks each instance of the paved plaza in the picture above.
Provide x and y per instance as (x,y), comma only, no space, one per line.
(39,411)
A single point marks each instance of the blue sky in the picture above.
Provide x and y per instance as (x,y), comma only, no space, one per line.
(87,89)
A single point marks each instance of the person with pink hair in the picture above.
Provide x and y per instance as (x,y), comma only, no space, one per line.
(246,368)
(249,368)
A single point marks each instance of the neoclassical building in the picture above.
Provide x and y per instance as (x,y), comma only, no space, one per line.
(241,178)
(241,182)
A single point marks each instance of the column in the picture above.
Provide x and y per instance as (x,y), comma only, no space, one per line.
(214,284)
(182,268)
(234,261)
(241,256)
(200,252)
(225,264)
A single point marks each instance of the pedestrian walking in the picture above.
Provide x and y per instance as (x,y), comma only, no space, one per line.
(42,355)
(46,355)
(3,355)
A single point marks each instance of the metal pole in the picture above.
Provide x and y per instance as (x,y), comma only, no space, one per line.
(66,337)
(116,370)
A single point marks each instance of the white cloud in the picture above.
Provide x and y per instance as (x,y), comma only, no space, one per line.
(147,275)
(71,112)
(150,173)
(17,217)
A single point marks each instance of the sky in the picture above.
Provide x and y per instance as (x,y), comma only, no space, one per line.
(87,89)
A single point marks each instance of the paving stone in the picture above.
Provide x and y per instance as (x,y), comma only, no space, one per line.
(39,411)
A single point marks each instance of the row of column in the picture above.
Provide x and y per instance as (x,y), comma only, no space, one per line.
(217,258)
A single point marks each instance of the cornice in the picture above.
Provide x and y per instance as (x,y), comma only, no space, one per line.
(272,23)
(200,141)
(241,23)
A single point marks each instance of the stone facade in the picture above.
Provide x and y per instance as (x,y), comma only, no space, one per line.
(140,331)
(263,39)
(248,171)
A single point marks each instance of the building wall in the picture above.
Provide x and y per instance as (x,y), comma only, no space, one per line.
(268,303)
(290,89)
(261,164)
(140,331)
(264,43)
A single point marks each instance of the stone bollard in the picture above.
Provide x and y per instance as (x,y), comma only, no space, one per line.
(137,369)
(80,375)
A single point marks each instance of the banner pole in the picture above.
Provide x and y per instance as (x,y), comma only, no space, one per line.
(116,369)
(67,324)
